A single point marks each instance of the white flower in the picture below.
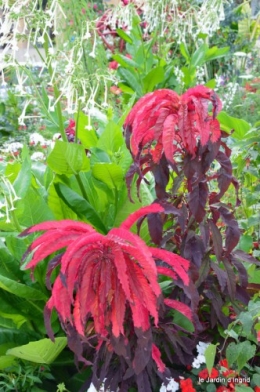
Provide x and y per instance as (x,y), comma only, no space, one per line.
(201,347)
(172,386)
(14,147)
(198,361)
(37,156)
(36,138)
(56,136)
(92,54)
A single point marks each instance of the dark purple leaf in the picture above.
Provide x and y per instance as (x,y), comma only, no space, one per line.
(194,249)
(232,231)
(198,199)
(203,271)
(221,275)
(231,279)
(155,226)
(242,272)
(205,234)
(224,174)
(240,255)
(217,239)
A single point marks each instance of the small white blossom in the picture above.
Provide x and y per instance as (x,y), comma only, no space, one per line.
(201,347)
(14,147)
(172,386)
(37,156)
(36,138)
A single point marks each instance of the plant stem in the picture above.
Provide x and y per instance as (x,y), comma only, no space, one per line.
(83,191)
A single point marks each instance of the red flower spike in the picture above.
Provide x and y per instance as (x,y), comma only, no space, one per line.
(170,122)
(103,276)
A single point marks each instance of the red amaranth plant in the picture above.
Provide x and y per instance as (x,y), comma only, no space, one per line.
(179,140)
(106,293)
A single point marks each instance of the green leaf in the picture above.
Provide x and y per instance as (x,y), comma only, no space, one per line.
(228,123)
(23,180)
(87,137)
(21,290)
(246,243)
(126,89)
(215,53)
(154,77)
(240,353)
(111,139)
(79,205)
(32,209)
(198,57)
(125,36)
(42,351)
(125,61)
(109,173)
(243,388)
(60,209)
(68,158)
(6,361)
(211,83)
(256,379)
(184,51)
(210,354)
(130,77)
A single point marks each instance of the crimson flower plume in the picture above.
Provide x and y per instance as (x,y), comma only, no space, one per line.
(104,278)
(164,122)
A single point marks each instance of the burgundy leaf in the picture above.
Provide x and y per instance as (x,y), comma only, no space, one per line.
(217,240)
(198,200)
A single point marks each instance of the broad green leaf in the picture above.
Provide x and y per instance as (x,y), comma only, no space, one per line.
(6,361)
(198,57)
(42,351)
(6,322)
(17,320)
(130,77)
(79,205)
(96,196)
(33,209)
(60,209)
(215,53)
(111,139)
(21,290)
(246,243)
(87,137)
(125,36)
(23,180)
(184,51)
(240,353)
(68,158)
(154,77)
(109,173)
(228,123)
(210,354)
